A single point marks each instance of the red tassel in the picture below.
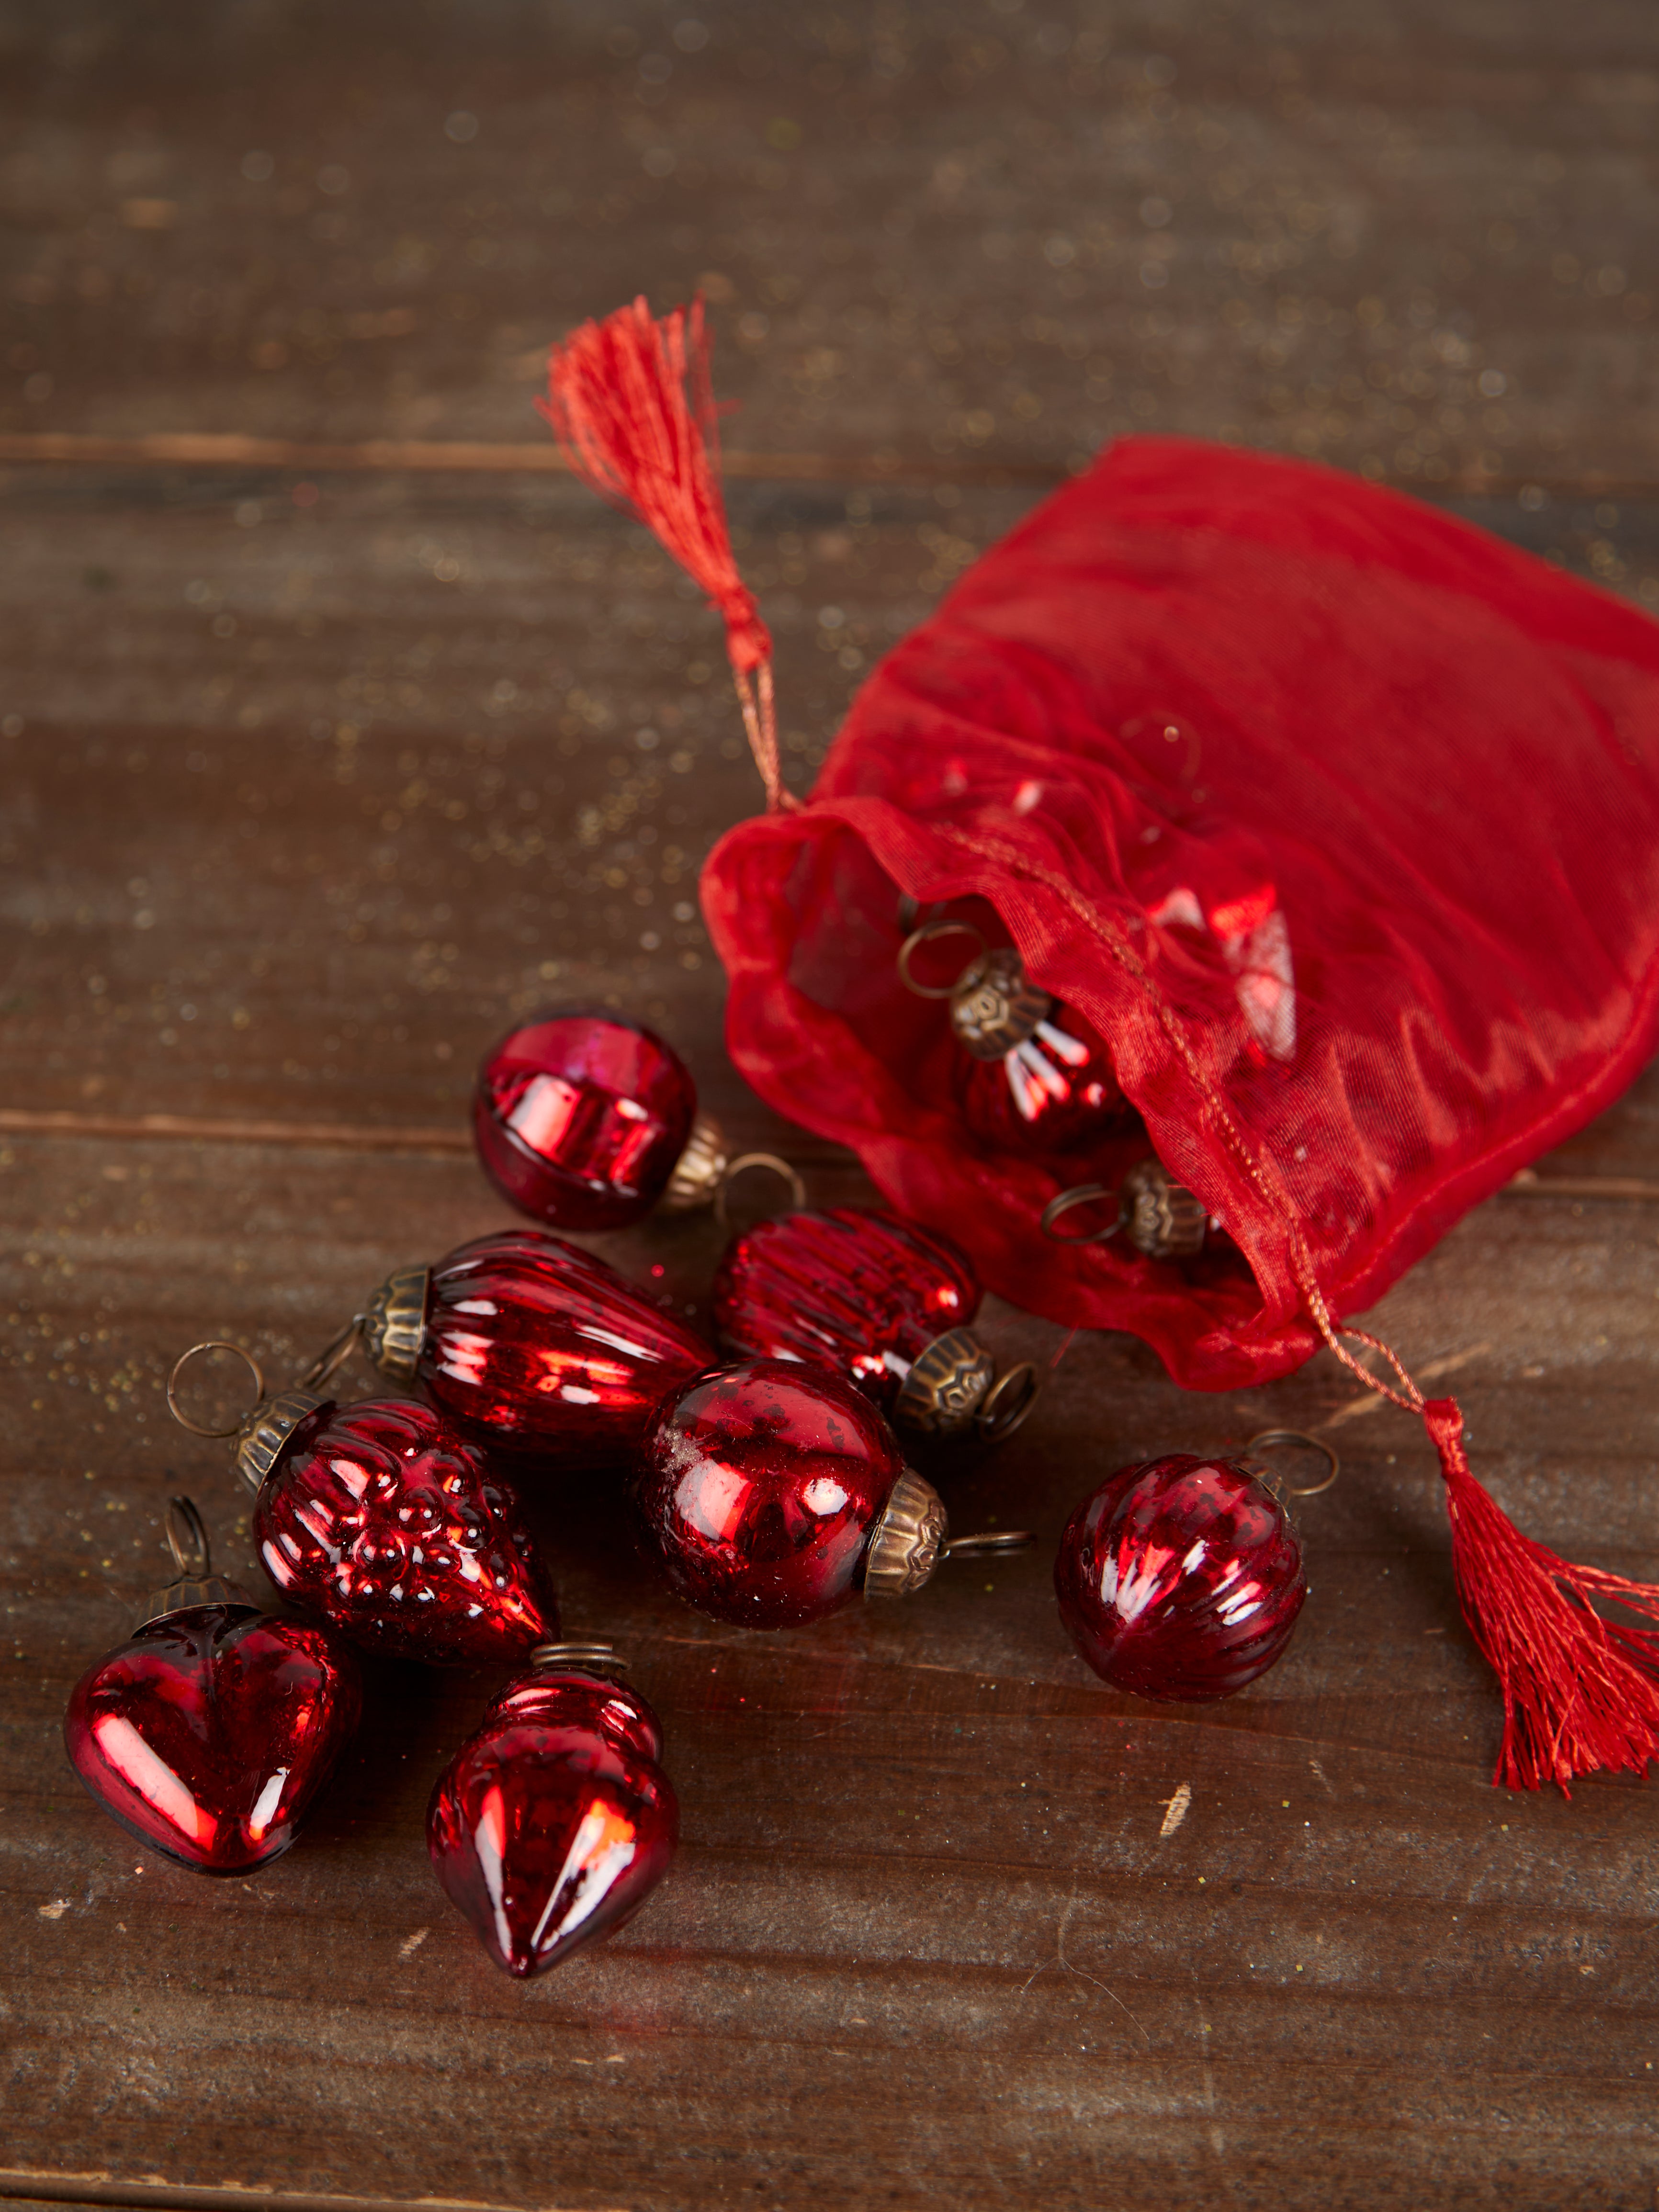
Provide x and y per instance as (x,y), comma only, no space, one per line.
(1579,1692)
(631,403)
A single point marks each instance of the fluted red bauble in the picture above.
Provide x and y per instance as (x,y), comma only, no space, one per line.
(761,1486)
(211,1731)
(382,1517)
(554,1823)
(1053,1093)
(1181,1579)
(850,1290)
(579,1117)
(532,1343)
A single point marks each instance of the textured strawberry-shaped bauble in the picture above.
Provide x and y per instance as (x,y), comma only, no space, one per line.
(581,1118)
(878,1300)
(770,1491)
(1181,1579)
(384,1519)
(531,1344)
(212,1730)
(553,1825)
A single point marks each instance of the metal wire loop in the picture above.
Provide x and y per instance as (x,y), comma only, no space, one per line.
(1007,1401)
(925,935)
(187,1539)
(741,1165)
(989,1540)
(1296,1437)
(212,1344)
(1084,1194)
(579,1656)
(334,1355)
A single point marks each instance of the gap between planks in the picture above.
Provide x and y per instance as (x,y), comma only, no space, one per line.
(233,450)
(382,1137)
(229,2196)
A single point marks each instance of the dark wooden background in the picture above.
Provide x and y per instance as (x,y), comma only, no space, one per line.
(329,747)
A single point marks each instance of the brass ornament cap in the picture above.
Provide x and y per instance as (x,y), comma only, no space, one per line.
(1161,1217)
(993,1006)
(262,1438)
(698,1169)
(947,1385)
(198,1589)
(909,1539)
(394,1328)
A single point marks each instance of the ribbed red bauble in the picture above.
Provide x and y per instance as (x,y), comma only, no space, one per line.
(1181,1579)
(878,1300)
(1033,1077)
(532,1345)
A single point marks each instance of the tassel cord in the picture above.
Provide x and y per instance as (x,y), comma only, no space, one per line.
(631,403)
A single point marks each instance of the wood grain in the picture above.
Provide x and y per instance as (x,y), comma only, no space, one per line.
(332,744)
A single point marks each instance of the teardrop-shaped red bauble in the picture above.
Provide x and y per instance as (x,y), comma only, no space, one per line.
(533,1346)
(211,1731)
(1181,1579)
(381,1517)
(579,1117)
(761,1486)
(552,1826)
(850,1290)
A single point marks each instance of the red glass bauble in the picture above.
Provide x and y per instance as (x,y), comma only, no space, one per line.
(212,1730)
(761,1486)
(1181,1579)
(531,1344)
(865,1295)
(1054,1092)
(384,1519)
(579,1117)
(555,1822)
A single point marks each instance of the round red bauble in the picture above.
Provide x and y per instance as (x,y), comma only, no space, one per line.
(1181,1579)
(554,1823)
(580,1118)
(211,1731)
(384,1519)
(761,1487)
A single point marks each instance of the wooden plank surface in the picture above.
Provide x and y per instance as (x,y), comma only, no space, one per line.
(314,778)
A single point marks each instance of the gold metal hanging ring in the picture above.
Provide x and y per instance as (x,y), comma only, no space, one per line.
(1085,1194)
(1007,1401)
(334,1355)
(1302,1443)
(989,1540)
(212,1344)
(741,1165)
(925,935)
(187,1539)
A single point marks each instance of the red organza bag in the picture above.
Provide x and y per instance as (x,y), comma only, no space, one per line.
(1337,818)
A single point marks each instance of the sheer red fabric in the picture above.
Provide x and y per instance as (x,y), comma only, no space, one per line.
(1334,817)
(1338,817)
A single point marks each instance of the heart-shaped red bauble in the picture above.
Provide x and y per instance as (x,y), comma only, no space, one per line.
(211,1732)
(381,1518)
(555,1822)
